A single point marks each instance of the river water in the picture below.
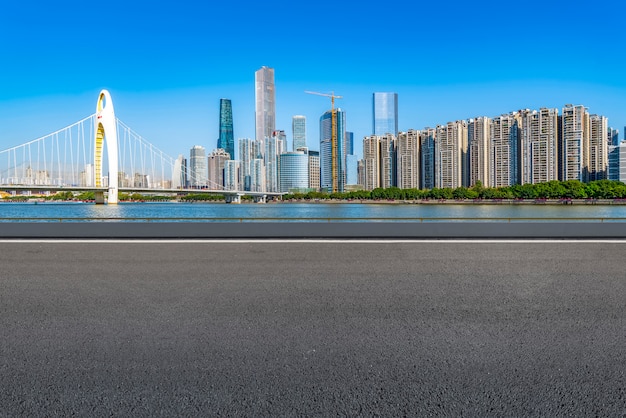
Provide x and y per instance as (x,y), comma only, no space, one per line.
(16,212)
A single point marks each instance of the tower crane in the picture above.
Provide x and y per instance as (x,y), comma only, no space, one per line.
(333,134)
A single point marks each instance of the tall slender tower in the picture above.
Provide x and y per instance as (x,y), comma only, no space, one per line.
(226,140)
(385,114)
(265,103)
(298,124)
(479,134)
(574,136)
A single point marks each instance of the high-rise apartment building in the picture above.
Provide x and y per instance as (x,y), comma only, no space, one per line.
(408,168)
(451,155)
(294,172)
(298,126)
(539,146)
(574,135)
(232,175)
(217,160)
(197,166)
(314,170)
(249,150)
(371,162)
(596,163)
(332,157)
(504,150)
(427,158)
(478,136)
(385,113)
(274,146)
(265,103)
(226,139)
(388,161)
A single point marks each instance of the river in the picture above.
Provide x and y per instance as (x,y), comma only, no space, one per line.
(43,211)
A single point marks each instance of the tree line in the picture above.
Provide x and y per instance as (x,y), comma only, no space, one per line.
(570,189)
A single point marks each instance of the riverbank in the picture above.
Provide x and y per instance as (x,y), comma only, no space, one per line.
(464,201)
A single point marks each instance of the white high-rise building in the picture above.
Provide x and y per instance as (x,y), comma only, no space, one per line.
(574,137)
(539,146)
(231,175)
(504,149)
(249,150)
(198,166)
(274,146)
(371,162)
(265,103)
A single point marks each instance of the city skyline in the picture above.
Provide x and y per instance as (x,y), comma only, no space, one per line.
(50,74)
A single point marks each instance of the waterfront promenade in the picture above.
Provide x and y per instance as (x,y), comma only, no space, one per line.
(260,328)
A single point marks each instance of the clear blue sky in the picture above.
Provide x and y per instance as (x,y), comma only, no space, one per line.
(167,64)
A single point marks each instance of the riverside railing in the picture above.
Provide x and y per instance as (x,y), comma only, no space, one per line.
(313,219)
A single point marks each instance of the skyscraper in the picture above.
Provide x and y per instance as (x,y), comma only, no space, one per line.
(274,147)
(294,171)
(427,158)
(385,113)
(198,166)
(349,143)
(332,158)
(371,162)
(226,140)
(249,150)
(265,103)
(298,126)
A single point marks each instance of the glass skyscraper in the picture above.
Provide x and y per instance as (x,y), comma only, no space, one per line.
(294,172)
(299,132)
(385,114)
(265,103)
(226,140)
(328,158)
(198,166)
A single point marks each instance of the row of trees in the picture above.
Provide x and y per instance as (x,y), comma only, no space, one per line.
(570,189)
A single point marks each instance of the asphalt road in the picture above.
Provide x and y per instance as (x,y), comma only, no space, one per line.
(307,328)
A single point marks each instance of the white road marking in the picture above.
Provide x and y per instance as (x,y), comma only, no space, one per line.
(308,241)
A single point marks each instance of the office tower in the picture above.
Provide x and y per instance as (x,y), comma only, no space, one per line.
(539,146)
(352,174)
(232,175)
(332,157)
(385,113)
(371,162)
(427,158)
(217,160)
(226,140)
(408,168)
(617,162)
(198,169)
(349,143)
(574,135)
(249,150)
(179,175)
(274,146)
(450,155)
(478,136)
(597,159)
(298,126)
(265,103)
(504,150)
(314,170)
(294,172)
(613,137)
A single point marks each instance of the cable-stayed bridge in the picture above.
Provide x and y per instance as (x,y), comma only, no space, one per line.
(101,153)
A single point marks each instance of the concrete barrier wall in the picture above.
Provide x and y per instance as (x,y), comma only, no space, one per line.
(313,230)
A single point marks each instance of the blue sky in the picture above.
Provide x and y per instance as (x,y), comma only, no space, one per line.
(167,64)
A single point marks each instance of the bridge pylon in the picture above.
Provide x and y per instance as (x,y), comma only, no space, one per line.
(106,130)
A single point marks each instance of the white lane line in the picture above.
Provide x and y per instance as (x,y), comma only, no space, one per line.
(308,241)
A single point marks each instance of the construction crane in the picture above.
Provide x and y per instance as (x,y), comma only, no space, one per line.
(333,134)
